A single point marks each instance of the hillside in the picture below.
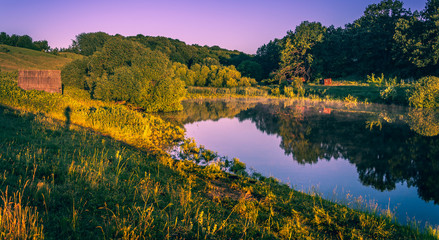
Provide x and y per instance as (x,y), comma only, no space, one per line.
(15,58)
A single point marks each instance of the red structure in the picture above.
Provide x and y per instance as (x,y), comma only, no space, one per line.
(43,80)
(328,81)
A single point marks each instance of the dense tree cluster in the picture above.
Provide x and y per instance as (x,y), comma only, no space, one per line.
(124,70)
(387,39)
(151,72)
(212,76)
(23,41)
(177,51)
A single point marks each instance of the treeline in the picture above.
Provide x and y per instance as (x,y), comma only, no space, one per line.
(387,39)
(149,72)
(23,41)
(176,50)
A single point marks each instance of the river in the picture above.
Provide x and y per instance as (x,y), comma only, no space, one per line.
(371,156)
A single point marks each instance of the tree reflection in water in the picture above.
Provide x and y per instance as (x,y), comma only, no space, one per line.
(387,147)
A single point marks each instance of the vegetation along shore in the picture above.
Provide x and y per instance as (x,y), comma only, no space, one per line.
(94,162)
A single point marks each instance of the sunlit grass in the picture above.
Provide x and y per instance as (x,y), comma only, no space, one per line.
(16,58)
(105,175)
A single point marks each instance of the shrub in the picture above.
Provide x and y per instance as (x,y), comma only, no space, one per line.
(425,93)
(275,91)
(375,81)
(289,92)
(238,167)
(123,70)
(388,94)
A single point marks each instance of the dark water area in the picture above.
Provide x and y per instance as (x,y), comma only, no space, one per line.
(386,156)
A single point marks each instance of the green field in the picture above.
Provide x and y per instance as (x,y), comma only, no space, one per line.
(15,58)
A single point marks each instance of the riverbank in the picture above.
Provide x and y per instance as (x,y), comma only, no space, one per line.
(73,167)
(349,93)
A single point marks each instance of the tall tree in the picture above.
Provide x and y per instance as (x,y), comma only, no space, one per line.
(268,56)
(417,39)
(372,36)
(88,43)
(297,56)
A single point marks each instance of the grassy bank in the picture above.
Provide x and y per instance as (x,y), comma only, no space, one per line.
(76,168)
(362,93)
(212,92)
(16,58)
(347,93)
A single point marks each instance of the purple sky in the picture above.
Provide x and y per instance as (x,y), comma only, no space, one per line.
(243,25)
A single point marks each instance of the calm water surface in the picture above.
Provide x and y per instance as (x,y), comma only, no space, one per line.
(388,155)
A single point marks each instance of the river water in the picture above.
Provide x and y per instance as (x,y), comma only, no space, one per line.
(382,156)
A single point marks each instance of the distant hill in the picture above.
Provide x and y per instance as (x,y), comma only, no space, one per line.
(15,58)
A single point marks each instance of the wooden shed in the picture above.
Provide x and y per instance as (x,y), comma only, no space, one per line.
(42,80)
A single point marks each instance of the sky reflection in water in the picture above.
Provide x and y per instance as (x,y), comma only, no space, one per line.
(364,151)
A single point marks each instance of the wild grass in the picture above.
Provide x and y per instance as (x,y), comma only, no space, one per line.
(212,92)
(99,177)
(361,92)
(18,221)
(15,58)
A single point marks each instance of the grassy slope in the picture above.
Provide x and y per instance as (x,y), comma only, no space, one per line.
(72,182)
(15,58)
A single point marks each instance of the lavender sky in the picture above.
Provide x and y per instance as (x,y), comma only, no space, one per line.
(242,25)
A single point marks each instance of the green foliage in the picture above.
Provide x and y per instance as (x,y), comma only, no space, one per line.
(376,81)
(388,39)
(289,92)
(88,43)
(424,121)
(196,92)
(251,69)
(124,70)
(275,91)
(297,85)
(212,75)
(389,94)
(238,167)
(425,93)
(268,56)
(24,41)
(74,74)
(296,56)
(116,181)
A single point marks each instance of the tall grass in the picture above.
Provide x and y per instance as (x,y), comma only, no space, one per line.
(196,92)
(18,221)
(101,178)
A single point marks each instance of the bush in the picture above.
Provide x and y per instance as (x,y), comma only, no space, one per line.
(238,167)
(388,94)
(375,81)
(275,91)
(425,93)
(74,73)
(289,92)
(123,70)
